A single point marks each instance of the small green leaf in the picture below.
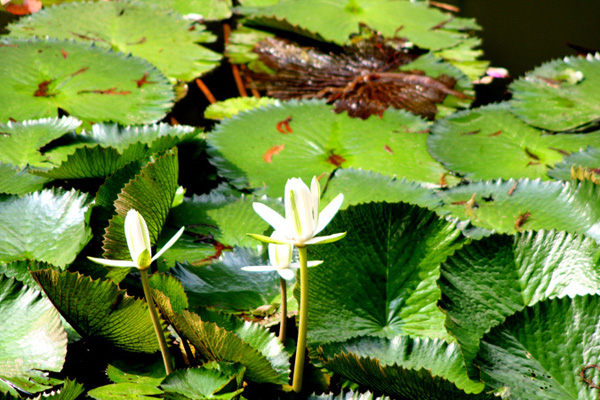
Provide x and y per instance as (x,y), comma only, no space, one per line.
(125,391)
(129,28)
(88,82)
(55,218)
(99,309)
(32,340)
(210,381)
(15,180)
(394,251)
(230,107)
(172,288)
(139,371)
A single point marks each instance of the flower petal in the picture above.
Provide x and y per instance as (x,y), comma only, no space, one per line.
(272,217)
(326,239)
(170,243)
(267,239)
(113,263)
(329,212)
(286,273)
(259,268)
(314,263)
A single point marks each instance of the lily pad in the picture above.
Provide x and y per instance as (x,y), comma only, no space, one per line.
(88,82)
(205,10)
(559,95)
(491,279)
(28,318)
(510,148)
(231,107)
(55,218)
(530,356)
(128,27)
(589,159)
(380,280)
(340,19)
(266,146)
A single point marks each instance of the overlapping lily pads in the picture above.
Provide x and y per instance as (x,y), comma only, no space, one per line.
(128,27)
(41,76)
(559,95)
(510,148)
(265,146)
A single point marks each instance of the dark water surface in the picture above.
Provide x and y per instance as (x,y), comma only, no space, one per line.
(522,34)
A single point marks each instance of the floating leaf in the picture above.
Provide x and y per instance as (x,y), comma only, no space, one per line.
(90,83)
(151,194)
(510,148)
(512,206)
(99,309)
(15,180)
(364,80)
(32,340)
(490,279)
(246,343)
(205,10)
(380,280)
(547,351)
(129,28)
(339,20)
(231,107)
(403,367)
(359,187)
(320,141)
(125,391)
(588,159)
(55,218)
(559,95)
(210,381)
(138,371)
(225,286)
(109,147)
(464,57)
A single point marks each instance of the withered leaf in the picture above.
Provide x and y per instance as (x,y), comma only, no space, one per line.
(364,80)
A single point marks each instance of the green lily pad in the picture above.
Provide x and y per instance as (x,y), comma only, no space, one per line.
(225,286)
(139,371)
(88,82)
(128,27)
(266,146)
(28,319)
(15,180)
(394,251)
(588,158)
(55,218)
(240,49)
(465,57)
(151,193)
(99,309)
(205,10)
(222,338)
(210,381)
(490,279)
(403,367)
(340,19)
(109,147)
(490,143)
(559,95)
(231,107)
(125,391)
(530,356)
(513,206)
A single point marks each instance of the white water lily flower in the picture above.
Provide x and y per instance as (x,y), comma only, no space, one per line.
(280,257)
(138,241)
(302,221)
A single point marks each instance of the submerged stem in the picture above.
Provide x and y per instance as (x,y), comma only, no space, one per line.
(303,324)
(154,316)
(283,324)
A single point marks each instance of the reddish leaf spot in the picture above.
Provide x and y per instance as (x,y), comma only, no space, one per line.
(588,381)
(285,124)
(335,159)
(521,220)
(64,54)
(531,155)
(273,151)
(42,90)
(142,40)
(28,7)
(561,151)
(459,203)
(111,91)
(144,80)
(471,133)
(388,149)
(495,133)
(443,180)
(81,71)
(173,121)
(512,189)
(595,170)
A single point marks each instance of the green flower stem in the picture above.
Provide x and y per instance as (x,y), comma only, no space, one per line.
(302,326)
(283,325)
(155,321)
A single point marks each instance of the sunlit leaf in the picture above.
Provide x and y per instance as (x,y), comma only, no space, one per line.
(230,107)
(320,141)
(100,310)
(125,391)
(32,341)
(128,27)
(88,82)
(547,351)
(559,95)
(48,226)
(205,10)
(490,279)
(210,381)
